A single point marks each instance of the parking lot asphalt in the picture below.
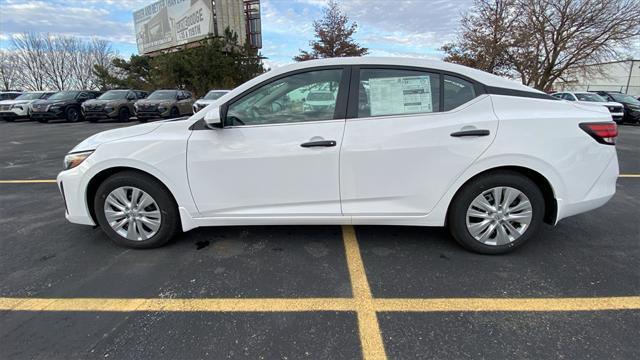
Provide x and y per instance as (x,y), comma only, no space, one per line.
(319,292)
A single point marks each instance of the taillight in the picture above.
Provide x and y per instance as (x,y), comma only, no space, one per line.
(602,132)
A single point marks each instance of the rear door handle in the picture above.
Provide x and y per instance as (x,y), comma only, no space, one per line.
(476,132)
(324,143)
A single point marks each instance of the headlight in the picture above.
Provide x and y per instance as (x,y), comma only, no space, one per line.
(75,159)
(162,108)
(108,109)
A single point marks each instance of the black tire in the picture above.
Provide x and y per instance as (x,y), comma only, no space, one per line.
(93,120)
(170,218)
(457,216)
(72,114)
(9,119)
(142,120)
(43,121)
(123,115)
(174,113)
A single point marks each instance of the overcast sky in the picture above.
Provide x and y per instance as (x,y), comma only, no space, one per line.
(387,27)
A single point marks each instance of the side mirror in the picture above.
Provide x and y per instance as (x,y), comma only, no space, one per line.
(212,118)
(131,97)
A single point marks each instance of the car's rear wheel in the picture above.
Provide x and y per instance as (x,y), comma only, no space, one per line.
(124,115)
(496,213)
(72,115)
(136,211)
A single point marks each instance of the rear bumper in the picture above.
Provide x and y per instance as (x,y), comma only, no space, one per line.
(600,193)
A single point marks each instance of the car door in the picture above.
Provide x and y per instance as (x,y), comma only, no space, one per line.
(275,156)
(409,135)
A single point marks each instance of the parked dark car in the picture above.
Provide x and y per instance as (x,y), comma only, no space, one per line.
(631,104)
(62,105)
(113,104)
(165,104)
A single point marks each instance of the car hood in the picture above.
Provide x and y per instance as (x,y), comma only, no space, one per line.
(12,102)
(153,102)
(591,103)
(92,142)
(206,102)
(101,102)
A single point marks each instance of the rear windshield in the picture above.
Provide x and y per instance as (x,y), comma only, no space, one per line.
(318,96)
(163,95)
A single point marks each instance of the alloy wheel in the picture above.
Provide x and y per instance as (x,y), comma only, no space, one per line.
(132,213)
(499,216)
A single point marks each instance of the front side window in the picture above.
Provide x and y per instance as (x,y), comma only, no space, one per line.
(163,95)
(309,96)
(388,92)
(457,92)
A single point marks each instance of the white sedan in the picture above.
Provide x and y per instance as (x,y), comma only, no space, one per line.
(404,142)
(593,99)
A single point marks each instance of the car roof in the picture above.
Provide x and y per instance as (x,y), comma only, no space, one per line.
(477,75)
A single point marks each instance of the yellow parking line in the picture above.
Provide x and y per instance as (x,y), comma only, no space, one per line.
(517,304)
(177,305)
(369,329)
(322,304)
(629,175)
(27,181)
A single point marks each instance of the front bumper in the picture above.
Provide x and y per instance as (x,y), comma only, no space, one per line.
(73,190)
(49,115)
(140,114)
(13,114)
(100,114)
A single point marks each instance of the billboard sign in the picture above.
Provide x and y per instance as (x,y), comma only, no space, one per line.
(168,23)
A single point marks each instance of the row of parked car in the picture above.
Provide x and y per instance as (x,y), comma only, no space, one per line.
(623,108)
(119,104)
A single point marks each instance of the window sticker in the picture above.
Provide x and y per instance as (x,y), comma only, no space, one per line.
(400,95)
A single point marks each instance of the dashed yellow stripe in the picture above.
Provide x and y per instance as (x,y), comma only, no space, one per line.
(629,175)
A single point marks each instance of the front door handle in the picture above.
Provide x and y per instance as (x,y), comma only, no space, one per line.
(324,143)
(476,132)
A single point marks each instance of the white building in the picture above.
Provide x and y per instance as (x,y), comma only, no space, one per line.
(623,76)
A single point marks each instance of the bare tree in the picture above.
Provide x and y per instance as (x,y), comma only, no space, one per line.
(60,62)
(29,50)
(541,40)
(9,75)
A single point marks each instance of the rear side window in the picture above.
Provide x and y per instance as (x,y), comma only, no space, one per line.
(387,92)
(457,92)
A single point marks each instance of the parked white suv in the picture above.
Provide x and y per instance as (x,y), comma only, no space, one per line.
(19,108)
(208,99)
(405,142)
(592,99)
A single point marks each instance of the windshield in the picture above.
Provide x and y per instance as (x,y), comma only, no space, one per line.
(29,96)
(214,95)
(114,95)
(162,95)
(625,99)
(590,97)
(64,95)
(320,96)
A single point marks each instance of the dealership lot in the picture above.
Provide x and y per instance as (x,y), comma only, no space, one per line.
(306,291)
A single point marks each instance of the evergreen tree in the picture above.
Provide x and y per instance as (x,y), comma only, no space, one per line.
(333,33)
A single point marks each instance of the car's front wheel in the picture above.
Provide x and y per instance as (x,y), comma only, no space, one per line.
(124,115)
(136,210)
(496,212)
(72,115)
